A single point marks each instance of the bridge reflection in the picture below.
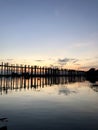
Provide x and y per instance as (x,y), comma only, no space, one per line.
(7,84)
(3,123)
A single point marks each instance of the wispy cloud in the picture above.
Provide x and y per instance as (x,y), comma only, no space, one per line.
(64,61)
(75,60)
(39,60)
(9,59)
(67,62)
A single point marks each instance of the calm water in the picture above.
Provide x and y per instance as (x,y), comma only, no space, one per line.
(49,104)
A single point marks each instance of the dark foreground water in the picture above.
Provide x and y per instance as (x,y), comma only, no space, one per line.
(49,104)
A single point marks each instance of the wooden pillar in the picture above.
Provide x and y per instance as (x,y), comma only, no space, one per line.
(7,68)
(51,72)
(11,69)
(43,72)
(35,82)
(48,71)
(19,70)
(31,70)
(28,69)
(35,70)
(25,69)
(22,69)
(2,69)
(40,71)
(31,82)
(16,68)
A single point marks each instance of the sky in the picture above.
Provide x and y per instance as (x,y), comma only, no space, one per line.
(56,33)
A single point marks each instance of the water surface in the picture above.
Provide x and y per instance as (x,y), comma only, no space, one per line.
(49,103)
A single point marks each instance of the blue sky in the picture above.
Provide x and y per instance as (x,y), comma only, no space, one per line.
(60,33)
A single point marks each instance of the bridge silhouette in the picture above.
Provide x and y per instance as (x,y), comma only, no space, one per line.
(27,71)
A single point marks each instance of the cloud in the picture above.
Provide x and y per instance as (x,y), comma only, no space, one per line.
(66,60)
(63,60)
(39,60)
(53,66)
(75,60)
(9,59)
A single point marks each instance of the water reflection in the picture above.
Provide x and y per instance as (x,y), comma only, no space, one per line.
(3,123)
(66,91)
(58,103)
(7,84)
(3,128)
(94,86)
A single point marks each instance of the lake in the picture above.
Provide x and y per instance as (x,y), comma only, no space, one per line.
(59,103)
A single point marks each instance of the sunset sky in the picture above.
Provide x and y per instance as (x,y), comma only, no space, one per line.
(61,33)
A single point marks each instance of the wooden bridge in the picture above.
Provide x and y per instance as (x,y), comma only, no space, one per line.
(7,69)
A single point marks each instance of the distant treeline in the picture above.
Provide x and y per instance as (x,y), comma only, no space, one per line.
(92,72)
(92,75)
